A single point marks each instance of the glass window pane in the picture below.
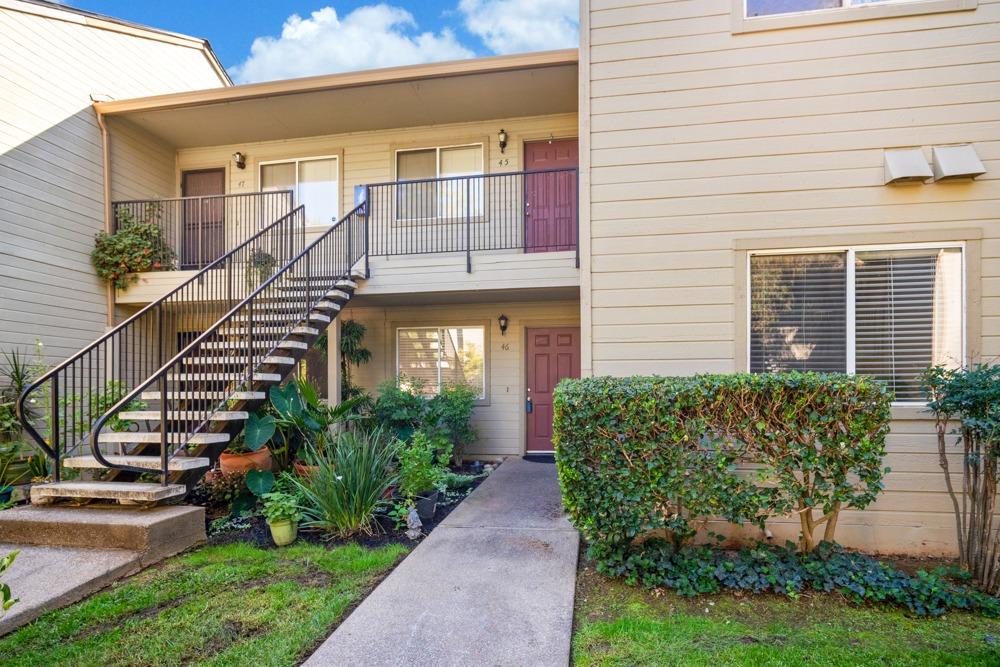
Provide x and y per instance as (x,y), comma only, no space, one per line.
(417,355)
(461,197)
(798,312)
(909,315)
(463,357)
(319,190)
(416,200)
(768,7)
(277,177)
(461,160)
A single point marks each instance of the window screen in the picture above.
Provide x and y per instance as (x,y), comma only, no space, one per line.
(435,356)
(798,312)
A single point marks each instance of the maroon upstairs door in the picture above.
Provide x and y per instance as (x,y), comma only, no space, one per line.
(553,354)
(203,226)
(550,198)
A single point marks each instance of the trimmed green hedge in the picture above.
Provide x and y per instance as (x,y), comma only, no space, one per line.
(643,454)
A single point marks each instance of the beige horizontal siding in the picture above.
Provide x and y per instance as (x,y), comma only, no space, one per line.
(699,137)
(500,424)
(51,177)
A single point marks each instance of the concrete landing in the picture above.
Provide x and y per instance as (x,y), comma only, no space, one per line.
(68,553)
(492,585)
(45,578)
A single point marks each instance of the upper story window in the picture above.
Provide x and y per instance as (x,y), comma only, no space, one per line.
(771,7)
(884,312)
(315,182)
(438,356)
(449,199)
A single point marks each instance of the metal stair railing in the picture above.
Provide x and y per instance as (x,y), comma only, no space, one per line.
(266,319)
(60,408)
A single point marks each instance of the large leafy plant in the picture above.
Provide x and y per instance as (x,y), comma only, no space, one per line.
(136,247)
(421,468)
(7,600)
(645,454)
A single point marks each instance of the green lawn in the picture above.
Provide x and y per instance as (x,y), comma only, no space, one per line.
(225,605)
(620,625)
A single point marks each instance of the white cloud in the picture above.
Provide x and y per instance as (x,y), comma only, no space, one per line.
(370,36)
(514,26)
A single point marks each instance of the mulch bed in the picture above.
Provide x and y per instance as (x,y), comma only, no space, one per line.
(259,535)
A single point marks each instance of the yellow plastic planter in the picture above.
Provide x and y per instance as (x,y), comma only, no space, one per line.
(283,532)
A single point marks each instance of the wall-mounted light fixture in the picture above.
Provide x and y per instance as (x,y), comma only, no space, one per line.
(502,136)
(240,159)
(503,322)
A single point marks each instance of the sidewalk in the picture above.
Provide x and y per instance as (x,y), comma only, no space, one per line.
(492,585)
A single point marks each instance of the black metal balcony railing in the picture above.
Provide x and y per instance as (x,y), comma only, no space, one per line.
(533,211)
(202,229)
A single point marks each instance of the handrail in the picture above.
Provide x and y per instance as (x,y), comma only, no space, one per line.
(83,386)
(201,228)
(299,285)
(531,211)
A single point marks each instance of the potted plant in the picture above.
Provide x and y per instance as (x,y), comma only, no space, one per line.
(420,474)
(250,452)
(282,513)
(9,471)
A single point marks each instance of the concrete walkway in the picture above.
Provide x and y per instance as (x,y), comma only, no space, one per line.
(492,585)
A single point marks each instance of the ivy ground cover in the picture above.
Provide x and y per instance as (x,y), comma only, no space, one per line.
(617,624)
(222,605)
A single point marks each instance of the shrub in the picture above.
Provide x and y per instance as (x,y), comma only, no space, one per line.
(451,411)
(349,483)
(220,489)
(400,409)
(643,454)
(695,570)
(135,247)
(420,466)
(971,397)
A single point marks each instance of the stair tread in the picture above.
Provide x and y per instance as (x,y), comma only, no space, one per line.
(176,463)
(154,415)
(202,377)
(237,345)
(227,360)
(278,316)
(239,331)
(196,439)
(141,491)
(235,395)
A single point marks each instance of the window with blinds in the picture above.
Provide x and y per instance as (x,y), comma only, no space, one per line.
(885,313)
(432,357)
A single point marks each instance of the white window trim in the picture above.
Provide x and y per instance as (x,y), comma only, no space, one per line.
(295,190)
(483,398)
(851,251)
(741,23)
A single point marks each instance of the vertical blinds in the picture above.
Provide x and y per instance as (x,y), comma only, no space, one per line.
(798,312)
(908,313)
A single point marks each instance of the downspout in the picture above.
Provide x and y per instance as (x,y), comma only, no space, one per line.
(106,160)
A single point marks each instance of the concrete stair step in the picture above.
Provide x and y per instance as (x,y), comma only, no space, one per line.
(176,463)
(228,377)
(154,415)
(128,491)
(154,532)
(242,345)
(276,315)
(204,395)
(155,438)
(272,360)
(259,324)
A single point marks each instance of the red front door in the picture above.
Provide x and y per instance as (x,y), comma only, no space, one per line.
(550,197)
(553,354)
(204,233)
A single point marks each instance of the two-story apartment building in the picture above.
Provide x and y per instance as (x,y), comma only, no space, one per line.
(710,186)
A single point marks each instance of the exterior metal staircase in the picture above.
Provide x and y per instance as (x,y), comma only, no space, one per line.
(145,410)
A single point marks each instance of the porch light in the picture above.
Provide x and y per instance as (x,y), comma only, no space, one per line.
(503,321)
(240,159)
(502,136)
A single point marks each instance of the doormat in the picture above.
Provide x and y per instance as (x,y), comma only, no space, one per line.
(540,458)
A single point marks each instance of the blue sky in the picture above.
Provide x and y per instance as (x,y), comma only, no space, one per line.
(270,40)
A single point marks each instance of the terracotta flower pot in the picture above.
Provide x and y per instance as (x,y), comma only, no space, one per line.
(283,532)
(259,460)
(304,471)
